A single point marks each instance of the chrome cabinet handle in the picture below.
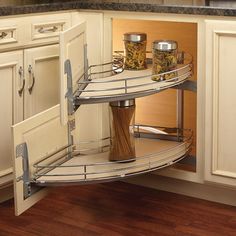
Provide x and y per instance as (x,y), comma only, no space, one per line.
(30,70)
(21,73)
(3,35)
(43,30)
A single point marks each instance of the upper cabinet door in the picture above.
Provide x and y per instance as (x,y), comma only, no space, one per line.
(42,79)
(220,152)
(73,50)
(11,103)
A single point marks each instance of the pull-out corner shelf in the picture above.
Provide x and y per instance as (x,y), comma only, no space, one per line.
(128,85)
(153,152)
(44,150)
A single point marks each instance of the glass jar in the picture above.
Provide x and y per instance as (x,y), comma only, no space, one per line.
(122,118)
(164,59)
(135,51)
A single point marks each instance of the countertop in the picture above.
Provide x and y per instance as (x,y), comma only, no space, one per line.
(36,6)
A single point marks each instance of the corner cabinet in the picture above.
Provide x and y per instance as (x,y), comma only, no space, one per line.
(62,158)
(220,113)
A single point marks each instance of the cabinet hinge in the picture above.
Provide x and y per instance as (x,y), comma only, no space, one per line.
(72,125)
(69,94)
(22,151)
(72,107)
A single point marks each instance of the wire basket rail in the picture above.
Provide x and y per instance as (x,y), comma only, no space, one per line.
(154,150)
(111,82)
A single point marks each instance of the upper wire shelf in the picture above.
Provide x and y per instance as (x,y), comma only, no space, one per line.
(111,82)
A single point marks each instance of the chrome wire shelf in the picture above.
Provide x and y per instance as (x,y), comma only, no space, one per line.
(156,148)
(111,82)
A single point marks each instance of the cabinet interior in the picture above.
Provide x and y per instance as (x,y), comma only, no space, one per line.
(160,109)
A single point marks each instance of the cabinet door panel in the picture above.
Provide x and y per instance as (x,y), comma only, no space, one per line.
(221,103)
(72,48)
(91,129)
(43,135)
(11,104)
(42,70)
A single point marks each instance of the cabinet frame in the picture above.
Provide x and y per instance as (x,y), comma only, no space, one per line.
(198,176)
(213,172)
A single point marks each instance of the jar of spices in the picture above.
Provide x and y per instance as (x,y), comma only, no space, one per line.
(135,51)
(164,59)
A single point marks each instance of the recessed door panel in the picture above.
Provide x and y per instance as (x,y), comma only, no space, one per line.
(42,79)
(34,139)
(11,103)
(72,49)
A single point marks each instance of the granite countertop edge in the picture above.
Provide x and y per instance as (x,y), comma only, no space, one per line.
(114,6)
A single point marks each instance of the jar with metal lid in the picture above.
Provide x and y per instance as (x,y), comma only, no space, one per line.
(164,59)
(135,51)
(122,115)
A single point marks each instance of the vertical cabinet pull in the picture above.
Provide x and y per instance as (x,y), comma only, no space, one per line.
(21,73)
(30,70)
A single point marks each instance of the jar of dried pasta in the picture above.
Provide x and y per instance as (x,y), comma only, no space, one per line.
(135,51)
(122,118)
(164,59)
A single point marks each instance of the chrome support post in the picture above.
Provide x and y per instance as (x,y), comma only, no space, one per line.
(180,113)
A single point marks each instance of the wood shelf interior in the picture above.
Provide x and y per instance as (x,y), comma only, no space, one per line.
(151,153)
(160,109)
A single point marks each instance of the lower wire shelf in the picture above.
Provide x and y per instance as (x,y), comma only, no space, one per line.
(153,152)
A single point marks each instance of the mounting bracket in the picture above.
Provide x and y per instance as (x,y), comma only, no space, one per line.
(22,151)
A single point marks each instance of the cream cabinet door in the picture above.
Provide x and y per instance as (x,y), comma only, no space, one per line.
(33,140)
(72,64)
(11,103)
(92,128)
(41,67)
(220,151)
(42,138)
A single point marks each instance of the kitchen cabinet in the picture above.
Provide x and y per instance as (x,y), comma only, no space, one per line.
(91,121)
(40,71)
(29,84)
(220,152)
(29,63)
(11,103)
(59,159)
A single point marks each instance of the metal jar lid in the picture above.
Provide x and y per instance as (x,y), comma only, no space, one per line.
(125,103)
(135,37)
(165,45)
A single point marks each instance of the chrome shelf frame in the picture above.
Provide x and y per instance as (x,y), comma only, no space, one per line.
(110,82)
(100,171)
(71,165)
